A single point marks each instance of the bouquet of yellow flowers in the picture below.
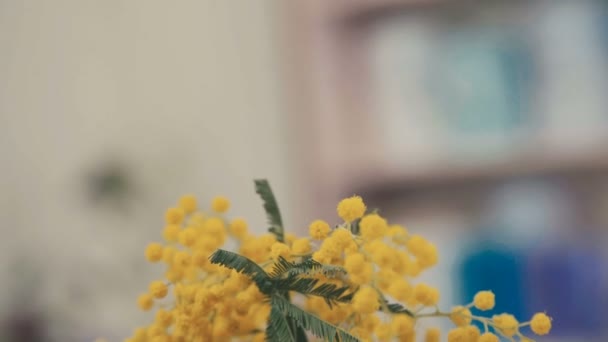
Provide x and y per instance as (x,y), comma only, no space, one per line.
(352,282)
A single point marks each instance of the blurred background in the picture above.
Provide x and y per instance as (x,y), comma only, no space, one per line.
(482,125)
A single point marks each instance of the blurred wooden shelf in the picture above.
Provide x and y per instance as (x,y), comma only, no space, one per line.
(451,177)
(332,100)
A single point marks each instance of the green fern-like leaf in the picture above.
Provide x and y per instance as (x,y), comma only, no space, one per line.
(281,268)
(310,267)
(277,328)
(262,187)
(307,267)
(331,293)
(399,309)
(295,284)
(300,333)
(332,271)
(310,322)
(308,286)
(395,308)
(243,265)
(354,226)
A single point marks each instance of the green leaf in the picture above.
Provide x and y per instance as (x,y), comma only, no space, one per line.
(308,286)
(331,292)
(243,265)
(295,284)
(354,227)
(262,187)
(310,322)
(277,329)
(395,307)
(300,332)
(309,267)
(281,267)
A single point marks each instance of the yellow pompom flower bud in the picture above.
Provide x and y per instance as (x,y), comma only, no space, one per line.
(221,328)
(360,333)
(385,278)
(425,252)
(354,263)
(373,226)
(238,228)
(158,289)
(259,337)
(290,238)
(385,257)
(426,295)
(154,331)
(168,253)
(196,219)
(352,208)
(154,252)
(182,259)
(396,231)
(139,334)
(215,226)
(220,204)
(145,301)
(369,323)
(342,236)
(174,215)
(540,324)
(457,335)
(402,325)
(319,229)
(188,203)
(187,237)
(161,338)
(279,249)
(301,246)
(432,335)
(174,274)
(460,316)
(506,323)
(383,331)
(365,301)
(171,232)
(484,300)
(163,318)
(400,289)
(472,332)
(364,276)
(488,337)
(200,258)
(331,248)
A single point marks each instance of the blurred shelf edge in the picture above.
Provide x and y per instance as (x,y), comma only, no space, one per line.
(390,183)
(362,12)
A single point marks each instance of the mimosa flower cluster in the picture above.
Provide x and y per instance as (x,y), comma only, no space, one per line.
(355,281)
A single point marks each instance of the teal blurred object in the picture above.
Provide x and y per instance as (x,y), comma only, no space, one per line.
(495,267)
(482,83)
(520,216)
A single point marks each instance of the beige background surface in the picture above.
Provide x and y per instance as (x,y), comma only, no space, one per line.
(188,96)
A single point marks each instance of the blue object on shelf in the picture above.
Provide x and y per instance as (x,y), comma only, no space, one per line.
(567,282)
(495,267)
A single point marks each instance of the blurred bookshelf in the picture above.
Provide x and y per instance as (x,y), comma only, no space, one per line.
(483,124)
(422,100)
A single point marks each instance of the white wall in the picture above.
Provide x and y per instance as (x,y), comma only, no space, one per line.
(186,92)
